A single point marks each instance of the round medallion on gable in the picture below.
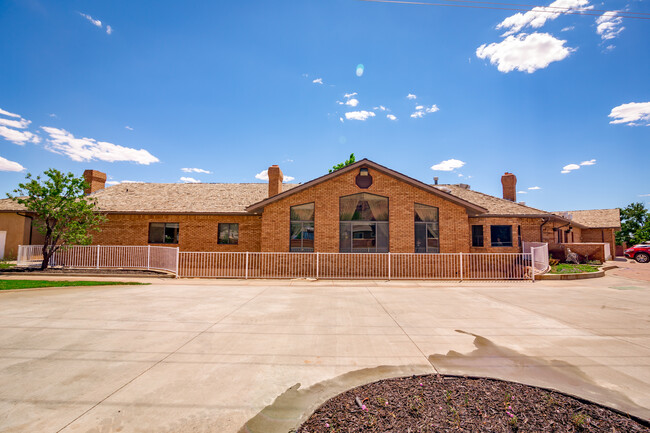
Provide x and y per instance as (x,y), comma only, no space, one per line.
(363,179)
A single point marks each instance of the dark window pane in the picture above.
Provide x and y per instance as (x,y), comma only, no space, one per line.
(228,233)
(477,236)
(345,237)
(363,207)
(424,213)
(501,236)
(303,212)
(433,241)
(420,238)
(307,237)
(382,237)
(156,233)
(163,233)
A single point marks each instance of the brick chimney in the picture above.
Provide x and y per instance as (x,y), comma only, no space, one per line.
(509,182)
(95,179)
(275,180)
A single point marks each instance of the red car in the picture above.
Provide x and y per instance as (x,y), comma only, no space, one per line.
(640,252)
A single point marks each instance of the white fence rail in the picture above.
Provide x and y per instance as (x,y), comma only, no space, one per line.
(457,266)
(101,256)
(539,254)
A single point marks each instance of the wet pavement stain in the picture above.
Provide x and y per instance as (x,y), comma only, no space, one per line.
(295,405)
(491,360)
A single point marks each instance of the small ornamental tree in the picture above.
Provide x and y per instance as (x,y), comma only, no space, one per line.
(635,225)
(343,164)
(65,216)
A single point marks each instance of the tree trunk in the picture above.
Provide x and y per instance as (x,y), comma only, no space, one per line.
(46,257)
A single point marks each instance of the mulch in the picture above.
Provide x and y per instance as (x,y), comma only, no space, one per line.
(437,403)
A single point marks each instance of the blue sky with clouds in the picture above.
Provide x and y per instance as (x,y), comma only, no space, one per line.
(142,90)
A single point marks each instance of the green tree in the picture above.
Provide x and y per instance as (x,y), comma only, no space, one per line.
(635,225)
(65,216)
(343,164)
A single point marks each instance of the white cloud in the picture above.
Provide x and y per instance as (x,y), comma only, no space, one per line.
(522,192)
(189,180)
(195,170)
(381,107)
(349,95)
(18,137)
(129,128)
(644,195)
(609,25)
(359,115)
(634,114)
(114,182)
(264,175)
(422,111)
(8,129)
(8,114)
(6,165)
(568,29)
(411,96)
(534,188)
(569,168)
(590,162)
(391,117)
(94,22)
(538,16)
(352,102)
(448,165)
(20,123)
(109,30)
(88,149)
(524,52)
(318,81)
(52,115)
(341,119)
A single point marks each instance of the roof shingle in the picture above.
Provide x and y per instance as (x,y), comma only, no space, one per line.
(596,218)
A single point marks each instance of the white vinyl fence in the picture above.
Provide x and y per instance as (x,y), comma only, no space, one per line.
(456,266)
(539,254)
(101,256)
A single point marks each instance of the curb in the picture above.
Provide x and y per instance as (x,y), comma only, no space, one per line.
(579,276)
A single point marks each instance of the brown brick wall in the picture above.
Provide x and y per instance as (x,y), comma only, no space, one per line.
(600,235)
(196,232)
(529,232)
(454,228)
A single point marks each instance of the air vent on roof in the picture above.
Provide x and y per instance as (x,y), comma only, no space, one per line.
(523,203)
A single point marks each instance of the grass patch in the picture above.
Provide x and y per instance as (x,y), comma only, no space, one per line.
(33,284)
(568,268)
(6,265)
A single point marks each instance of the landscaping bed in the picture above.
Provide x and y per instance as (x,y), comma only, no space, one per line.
(570,268)
(436,403)
(34,284)
(84,271)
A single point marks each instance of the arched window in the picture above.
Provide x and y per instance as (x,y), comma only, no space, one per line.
(427,230)
(363,223)
(302,228)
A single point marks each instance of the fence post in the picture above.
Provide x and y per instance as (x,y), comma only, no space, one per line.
(532,263)
(97,256)
(461,266)
(389,265)
(246,277)
(178,254)
(148,255)
(316,265)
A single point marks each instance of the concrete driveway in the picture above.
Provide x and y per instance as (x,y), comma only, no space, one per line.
(228,356)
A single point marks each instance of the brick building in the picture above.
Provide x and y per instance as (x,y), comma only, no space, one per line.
(364,207)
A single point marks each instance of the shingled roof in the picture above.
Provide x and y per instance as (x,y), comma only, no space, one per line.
(596,218)
(174,198)
(494,205)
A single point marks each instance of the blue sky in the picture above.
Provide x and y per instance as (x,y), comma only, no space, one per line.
(233,87)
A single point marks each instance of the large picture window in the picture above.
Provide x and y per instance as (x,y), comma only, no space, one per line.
(427,230)
(302,228)
(363,223)
(501,236)
(228,233)
(163,233)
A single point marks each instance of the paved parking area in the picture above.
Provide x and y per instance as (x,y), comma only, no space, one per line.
(257,356)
